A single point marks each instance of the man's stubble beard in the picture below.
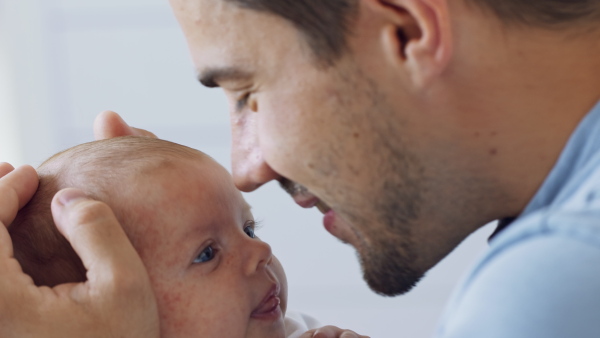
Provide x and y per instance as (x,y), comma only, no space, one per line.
(386,250)
(388,253)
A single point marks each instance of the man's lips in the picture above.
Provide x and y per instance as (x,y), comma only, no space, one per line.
(323,208)
(302,196)
(305,200)
(269,306)
(332,223)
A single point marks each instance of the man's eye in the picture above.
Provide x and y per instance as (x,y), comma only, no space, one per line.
(205,256)
(249,230)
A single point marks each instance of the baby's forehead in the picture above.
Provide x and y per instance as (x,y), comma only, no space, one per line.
(178,202)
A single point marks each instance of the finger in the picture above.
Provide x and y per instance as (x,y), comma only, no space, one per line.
(308,334)
(142,132)
(109,124)
(5,168)
(96,236)
(327,332)
(16,189)
(6,246)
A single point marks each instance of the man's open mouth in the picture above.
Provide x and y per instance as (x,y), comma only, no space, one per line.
(302,196)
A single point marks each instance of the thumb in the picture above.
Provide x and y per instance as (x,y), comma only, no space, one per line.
(117,295)
(97,237)
(109,124)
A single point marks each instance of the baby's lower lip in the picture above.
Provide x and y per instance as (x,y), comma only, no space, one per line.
(268,310)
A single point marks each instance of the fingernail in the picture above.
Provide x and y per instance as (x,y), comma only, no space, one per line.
(67,196)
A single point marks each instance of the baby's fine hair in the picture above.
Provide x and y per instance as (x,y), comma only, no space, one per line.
(101,169)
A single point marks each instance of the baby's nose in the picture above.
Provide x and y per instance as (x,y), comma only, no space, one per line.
(259,256)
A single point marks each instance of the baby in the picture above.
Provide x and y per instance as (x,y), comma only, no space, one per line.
(191,227)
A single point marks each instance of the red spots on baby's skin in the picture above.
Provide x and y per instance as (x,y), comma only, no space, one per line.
(172,305)
(172,300)
(494,151)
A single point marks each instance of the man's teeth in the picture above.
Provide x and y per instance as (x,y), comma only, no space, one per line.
(324,208)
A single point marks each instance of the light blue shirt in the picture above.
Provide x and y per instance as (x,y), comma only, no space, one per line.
(541,275)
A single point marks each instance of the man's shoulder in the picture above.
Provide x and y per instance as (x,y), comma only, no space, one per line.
(582,192)
(539,277)
(542,286)
(574,214)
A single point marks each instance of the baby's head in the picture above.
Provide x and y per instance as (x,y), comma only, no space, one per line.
(190,225)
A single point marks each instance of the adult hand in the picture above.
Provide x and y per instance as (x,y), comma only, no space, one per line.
(109,124)
(331,332)
(116,301)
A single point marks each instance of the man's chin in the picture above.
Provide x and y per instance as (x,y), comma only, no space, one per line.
(389,274)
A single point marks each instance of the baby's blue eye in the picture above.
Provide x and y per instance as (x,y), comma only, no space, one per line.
(249,230)
(205,256)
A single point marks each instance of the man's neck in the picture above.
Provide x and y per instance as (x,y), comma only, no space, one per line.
(525,94)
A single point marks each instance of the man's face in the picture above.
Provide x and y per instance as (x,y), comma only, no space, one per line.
(332,130)
(195,235)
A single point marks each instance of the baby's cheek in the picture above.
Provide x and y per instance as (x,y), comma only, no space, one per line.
(174,307)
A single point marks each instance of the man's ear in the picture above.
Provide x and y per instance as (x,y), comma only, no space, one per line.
(416,36)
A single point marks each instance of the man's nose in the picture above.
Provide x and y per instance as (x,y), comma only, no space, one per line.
(258,254)
(250,170)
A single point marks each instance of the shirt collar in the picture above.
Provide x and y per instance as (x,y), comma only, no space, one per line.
(582,145)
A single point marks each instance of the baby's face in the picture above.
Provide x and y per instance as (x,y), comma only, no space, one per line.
(211,275)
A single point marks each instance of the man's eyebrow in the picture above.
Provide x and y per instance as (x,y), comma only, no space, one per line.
(211,77)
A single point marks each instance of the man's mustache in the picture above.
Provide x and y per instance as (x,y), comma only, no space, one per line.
(292,187)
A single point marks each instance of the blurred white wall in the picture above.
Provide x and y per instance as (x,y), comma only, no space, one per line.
(64,61)
(10,143)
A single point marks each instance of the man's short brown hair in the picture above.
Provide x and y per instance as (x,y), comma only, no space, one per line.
(323,23)
(326,23)
(543,13)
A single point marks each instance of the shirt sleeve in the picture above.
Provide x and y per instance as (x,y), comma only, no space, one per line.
(546,286)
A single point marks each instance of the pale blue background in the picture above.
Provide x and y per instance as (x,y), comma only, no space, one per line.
(64,61)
